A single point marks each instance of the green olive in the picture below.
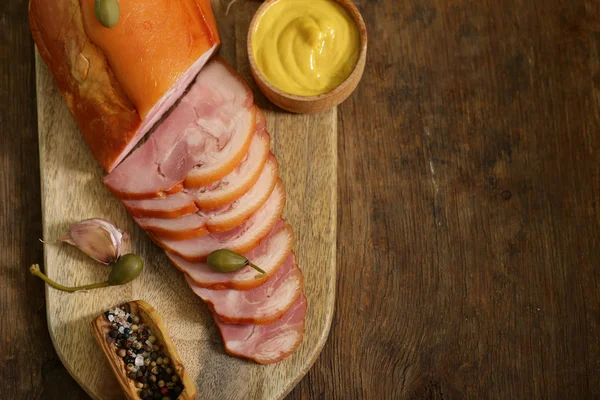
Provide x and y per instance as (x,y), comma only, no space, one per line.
(229,261)
(107,12)
(126,269)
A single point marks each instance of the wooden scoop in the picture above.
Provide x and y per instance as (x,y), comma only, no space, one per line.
(148,316)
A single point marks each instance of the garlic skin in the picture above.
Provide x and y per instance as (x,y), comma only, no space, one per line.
(99,239)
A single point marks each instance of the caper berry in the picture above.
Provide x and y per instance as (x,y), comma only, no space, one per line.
(107,12)
(229,261)
(126,269)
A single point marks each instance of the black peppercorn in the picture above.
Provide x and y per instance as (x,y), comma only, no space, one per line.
(154,355)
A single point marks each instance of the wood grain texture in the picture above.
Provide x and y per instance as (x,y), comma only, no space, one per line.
(478,279)
(469,219)
(72,190)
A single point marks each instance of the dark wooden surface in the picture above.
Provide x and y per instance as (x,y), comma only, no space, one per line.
(469,215)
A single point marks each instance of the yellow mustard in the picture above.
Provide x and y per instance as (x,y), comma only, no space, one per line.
(306,47)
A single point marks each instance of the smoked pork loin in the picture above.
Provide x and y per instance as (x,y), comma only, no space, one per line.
(269,255)
(202,140)
(260,306)
(205,180)
(119,82)
(265,344)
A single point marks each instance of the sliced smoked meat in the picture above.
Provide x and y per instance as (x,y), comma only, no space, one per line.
(241,239)
(234,214)
(265,344)
(262,305)
(243,177)
(270,255)
(172,206)
(208,132)
(216,195)
(218,220)
(188,227)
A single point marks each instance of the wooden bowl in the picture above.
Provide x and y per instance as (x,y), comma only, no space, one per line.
(311,104)
(149,316)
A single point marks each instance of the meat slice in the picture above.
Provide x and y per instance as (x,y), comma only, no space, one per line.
(269,255)
(218,220)
(265,344)
(208,132)
(216,195)
(118,82)
(234,214)
(243,177)
(262,305)
(173,206)
(188,227)
(240,239)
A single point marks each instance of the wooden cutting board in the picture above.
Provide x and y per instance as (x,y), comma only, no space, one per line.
(72,190)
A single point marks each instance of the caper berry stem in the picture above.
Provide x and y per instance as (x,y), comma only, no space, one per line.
(36,271)
(257,268)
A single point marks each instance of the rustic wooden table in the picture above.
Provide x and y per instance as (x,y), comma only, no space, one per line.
(469,208)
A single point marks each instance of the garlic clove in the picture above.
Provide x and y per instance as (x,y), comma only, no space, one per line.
(99,239)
